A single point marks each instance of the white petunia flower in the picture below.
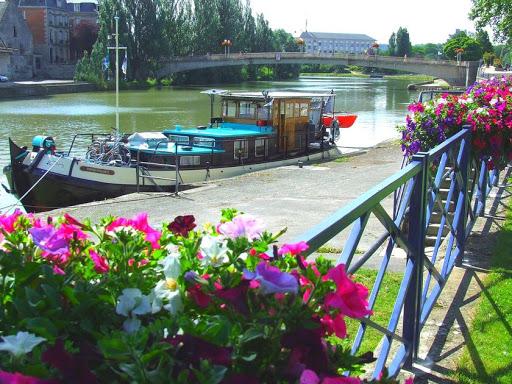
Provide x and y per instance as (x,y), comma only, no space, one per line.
(214,250)
(21,343)
(133,302)
(167,295)
(131,324)
(171,266)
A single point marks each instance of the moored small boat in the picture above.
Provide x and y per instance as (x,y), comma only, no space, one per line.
(344,120)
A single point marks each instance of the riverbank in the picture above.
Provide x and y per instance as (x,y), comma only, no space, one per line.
(20,89)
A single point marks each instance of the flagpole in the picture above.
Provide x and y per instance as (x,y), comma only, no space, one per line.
(117,74)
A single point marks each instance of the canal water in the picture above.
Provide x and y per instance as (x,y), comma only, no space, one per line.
(380,104)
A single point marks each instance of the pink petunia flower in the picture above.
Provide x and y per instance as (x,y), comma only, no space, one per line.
(7,222)
(336,325)
(350,298)
(293,249)
(139,223)
(100,263)
(18,378)
(242,226)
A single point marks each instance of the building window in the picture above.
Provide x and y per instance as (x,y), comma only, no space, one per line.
(260,149)
(14,34)
(77,7)
(240,149)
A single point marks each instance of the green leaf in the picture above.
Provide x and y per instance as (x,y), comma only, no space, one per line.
(69,293)
(114,348)
(42,326)
(147,357)
(28,271)
(51,294)
(250,357)
(251,334)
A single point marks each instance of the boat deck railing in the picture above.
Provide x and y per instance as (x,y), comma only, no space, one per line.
(142,172)
(270,148)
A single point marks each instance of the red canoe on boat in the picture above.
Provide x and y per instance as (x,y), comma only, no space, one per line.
(344,120)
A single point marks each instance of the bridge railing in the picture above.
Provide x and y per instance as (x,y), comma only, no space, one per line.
(445,183)
(278,56)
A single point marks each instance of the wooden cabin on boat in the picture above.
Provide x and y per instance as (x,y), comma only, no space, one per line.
(252,128)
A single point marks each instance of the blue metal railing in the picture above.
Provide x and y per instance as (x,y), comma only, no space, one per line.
(446,183)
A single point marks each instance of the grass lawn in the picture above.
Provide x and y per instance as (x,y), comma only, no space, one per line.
(383,306)
(488,353)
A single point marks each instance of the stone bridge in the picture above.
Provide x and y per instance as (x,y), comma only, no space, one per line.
(455,73)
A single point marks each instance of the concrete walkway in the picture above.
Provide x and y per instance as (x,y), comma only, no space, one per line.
(289,196)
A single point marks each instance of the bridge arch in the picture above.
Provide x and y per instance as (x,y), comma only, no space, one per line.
(455,73)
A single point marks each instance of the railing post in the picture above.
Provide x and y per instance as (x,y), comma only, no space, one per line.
(416,240)
(464,166)
(137,171)
(177,166)
(484,174)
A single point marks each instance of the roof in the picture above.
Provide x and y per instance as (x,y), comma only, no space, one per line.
(42,3)
(340,36)
(274,95)
(85,6)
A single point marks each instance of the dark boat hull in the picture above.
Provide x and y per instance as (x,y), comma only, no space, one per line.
(39,194)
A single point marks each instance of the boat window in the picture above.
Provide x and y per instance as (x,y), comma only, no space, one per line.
(179,139)
(190,160)
(241,149)
(260,149)
(289,109)
(204,141)
(229,108)
(263,113)
(304,109)
(247,110)
(296,111)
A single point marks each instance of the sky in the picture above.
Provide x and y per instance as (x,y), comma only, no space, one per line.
(427,21)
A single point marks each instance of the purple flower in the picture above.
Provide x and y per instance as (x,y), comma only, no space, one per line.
(272,280)
(243,225)
(48,239)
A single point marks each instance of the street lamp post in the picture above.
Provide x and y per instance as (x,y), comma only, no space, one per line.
(459,52)
(226,43)
(301,43)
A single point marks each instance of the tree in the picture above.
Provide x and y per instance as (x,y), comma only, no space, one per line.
(82,38)
(429,51)
(496,14)
(263,37)
(483,38)
(392,44)
(403,44)
(285,42)
(206,27)
(471,47)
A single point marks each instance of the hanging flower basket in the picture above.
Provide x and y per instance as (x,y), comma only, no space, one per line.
(486,107)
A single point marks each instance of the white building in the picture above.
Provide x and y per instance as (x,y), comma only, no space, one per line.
(322,42)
